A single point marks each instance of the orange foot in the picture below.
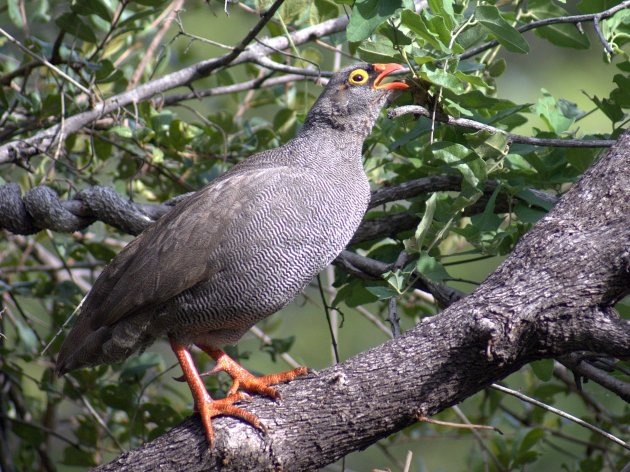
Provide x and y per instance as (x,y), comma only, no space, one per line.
(204,404)
(244,379)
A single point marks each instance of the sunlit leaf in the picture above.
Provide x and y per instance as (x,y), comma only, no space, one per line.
(490,18)
(367,15)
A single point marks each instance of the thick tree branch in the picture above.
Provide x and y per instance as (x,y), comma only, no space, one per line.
(40,208)
(551,296)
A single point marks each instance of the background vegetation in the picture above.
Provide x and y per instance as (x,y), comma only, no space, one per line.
(556,81)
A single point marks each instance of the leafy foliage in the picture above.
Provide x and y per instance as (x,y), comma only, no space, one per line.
(153,152)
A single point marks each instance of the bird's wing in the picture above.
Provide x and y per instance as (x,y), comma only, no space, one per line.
(172,255)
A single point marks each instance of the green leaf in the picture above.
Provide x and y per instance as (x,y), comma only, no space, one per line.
(563,35)
(621,95)
(431,268)
(543,369)
(497,68)
(279,346)
(418,24)
(291,11)
(488,145)
(367,15)
(162,414)
(92,7)
(425,224)
(118,396)
(528,214)
(378,52)
(558,115)
(30,434)
(322,10)
(27,337)
(443,79)
(136,367)
(444,8)
(611,109)
(106,72)
(523,453)
(72,24)
(394,35)
(396,280)
(354,294)
(526,457)
(488,221)
(624,66)
(465,161)
(101,251)
(122,131)
(490,18)
(285,121)
(533,436)
(15,14)
(151,3)
(382,292)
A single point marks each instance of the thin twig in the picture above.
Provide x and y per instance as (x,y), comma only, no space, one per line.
(333,338)
(45,61)
(600,35)
(52,432)
(450,424)
(561,413)
(100,421)
(487,450)
(257,83)
(155,42)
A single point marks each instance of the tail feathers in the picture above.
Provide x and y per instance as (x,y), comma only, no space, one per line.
(85,347)
(86,352)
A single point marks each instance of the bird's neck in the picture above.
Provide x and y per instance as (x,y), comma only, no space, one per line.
(356,130)
(322,146)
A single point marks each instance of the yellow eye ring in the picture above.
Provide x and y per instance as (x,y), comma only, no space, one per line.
(358,77)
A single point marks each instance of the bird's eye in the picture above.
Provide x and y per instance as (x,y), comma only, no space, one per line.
(358,77)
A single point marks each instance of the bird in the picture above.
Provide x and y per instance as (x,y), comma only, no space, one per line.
(239,249)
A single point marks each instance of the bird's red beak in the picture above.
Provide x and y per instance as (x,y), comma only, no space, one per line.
(385,70)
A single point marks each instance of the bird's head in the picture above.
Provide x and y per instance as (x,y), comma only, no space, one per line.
(353,98)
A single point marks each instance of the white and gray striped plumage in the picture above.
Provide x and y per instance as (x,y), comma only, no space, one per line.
(242,247)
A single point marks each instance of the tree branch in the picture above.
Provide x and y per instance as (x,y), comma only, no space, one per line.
(550,297)
(19,150)
(594,17)
(512,138)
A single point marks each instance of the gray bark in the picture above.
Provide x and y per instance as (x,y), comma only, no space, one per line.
(551,297)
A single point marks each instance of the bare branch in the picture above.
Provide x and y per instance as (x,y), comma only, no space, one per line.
(45,61)
(258,83)
(579,364)
(564,414)
(23,149)
(512,138)
(553,21)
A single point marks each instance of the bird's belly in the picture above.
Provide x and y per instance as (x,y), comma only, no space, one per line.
(254,280)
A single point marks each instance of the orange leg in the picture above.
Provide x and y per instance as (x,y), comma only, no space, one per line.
(244,379)
(206,406)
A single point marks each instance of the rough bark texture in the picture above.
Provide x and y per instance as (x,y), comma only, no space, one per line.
(551,297)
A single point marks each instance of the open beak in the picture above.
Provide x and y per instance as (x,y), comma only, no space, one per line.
(384,70)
